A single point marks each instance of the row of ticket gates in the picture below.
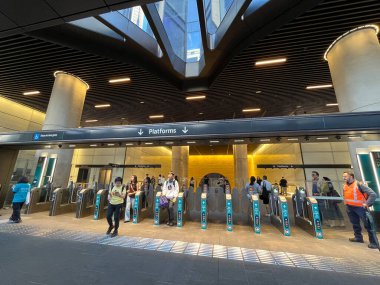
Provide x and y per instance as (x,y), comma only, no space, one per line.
(203,205)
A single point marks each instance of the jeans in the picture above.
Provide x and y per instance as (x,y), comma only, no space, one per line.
(356,214)
(171,211)
(115,210)
(130,204)
(16,211)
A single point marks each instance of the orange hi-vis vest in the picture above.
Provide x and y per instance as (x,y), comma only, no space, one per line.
(353,196)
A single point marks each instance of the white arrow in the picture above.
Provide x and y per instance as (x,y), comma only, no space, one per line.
(185,130)
(140,132)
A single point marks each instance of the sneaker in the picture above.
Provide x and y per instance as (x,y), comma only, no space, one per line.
(373,246)
(114,234)
(356,240)
(171,224)
(168,223)
(127,221)
(109,230)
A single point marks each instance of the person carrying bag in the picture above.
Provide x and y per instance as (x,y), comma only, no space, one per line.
(170,191)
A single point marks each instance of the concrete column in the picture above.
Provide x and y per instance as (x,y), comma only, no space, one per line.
(8,159)
(240,164)
(180,161)
(64,111)
(354,62)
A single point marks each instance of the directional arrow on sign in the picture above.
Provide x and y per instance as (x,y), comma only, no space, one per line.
(185,130)
(140,132)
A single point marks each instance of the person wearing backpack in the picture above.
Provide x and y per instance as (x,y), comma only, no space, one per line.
(358,198)
(132,188)
(116,201)
(170,190)
(266,188)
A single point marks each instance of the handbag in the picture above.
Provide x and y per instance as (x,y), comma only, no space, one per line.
(164,202)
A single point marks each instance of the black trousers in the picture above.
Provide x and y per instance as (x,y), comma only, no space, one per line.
(16,211)
(115,211)
(171,211)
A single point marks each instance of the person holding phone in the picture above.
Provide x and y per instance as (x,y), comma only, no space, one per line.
(116,198)
(131,193)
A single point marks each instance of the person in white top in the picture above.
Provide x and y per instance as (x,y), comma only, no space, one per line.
(170,190)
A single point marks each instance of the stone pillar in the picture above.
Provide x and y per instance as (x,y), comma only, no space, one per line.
(8,159)
(64,111)
(354,62)
(180,161)
(240,165)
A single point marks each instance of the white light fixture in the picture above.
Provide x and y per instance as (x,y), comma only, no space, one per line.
(47,146)
(270,61)
(142,102)
(319,86)
(196,97)
(156,116)
(258,92)
(191,142)
(214,141)
(93,145)
(354,137)
(251,110)
(323,138)
(31,93)
(110,144)
(119,80)
(129,144)
(102,106)
(238,140)
(265,140)
(148,143)
(72,145)
(200,113)
(169,143)
(293,139)
(91,121)
(331,104)
(370,26)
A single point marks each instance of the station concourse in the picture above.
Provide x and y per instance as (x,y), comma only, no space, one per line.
(231,140)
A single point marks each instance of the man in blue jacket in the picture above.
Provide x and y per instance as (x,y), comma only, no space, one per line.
(20,191)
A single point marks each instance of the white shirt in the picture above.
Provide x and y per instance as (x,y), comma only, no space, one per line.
(170,189)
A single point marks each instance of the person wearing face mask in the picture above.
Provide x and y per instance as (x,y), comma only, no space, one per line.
(132,188)
(170,190)
(358,198)
(116,198)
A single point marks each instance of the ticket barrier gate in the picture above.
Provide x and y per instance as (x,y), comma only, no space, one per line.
(142,207)
(229,219)
(61,203)
(180,209)
(101,204)
(160,215)
(85,203)
(255,215)
(306,213)
(38,201)
(279,216)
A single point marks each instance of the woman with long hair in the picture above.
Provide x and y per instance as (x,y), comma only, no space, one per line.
(132,188)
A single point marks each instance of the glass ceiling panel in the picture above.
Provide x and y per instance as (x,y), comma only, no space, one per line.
(181,23)
(215,11)
(94,25)
(256,4)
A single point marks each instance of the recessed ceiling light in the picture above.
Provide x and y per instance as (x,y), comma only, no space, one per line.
(142,102)
(323,138)
(72,145)
(110,144)
(265,140)
(354,137)
(238,140)
(251,110)
(148,143)
(169,143)
(102,106)
(196,97)
(156,116)
(332,104)
(91,121)
(214,141)
(129,144)
(31,93)
(200,113)
(191,142)
(319,86)
(293,139)
(270,61)
(47,146)
(120,80)
(258,92)
(93,145)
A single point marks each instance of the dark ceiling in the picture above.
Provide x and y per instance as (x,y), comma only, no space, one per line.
(28,63)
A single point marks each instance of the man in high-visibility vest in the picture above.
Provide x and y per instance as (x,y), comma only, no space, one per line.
(358,198)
